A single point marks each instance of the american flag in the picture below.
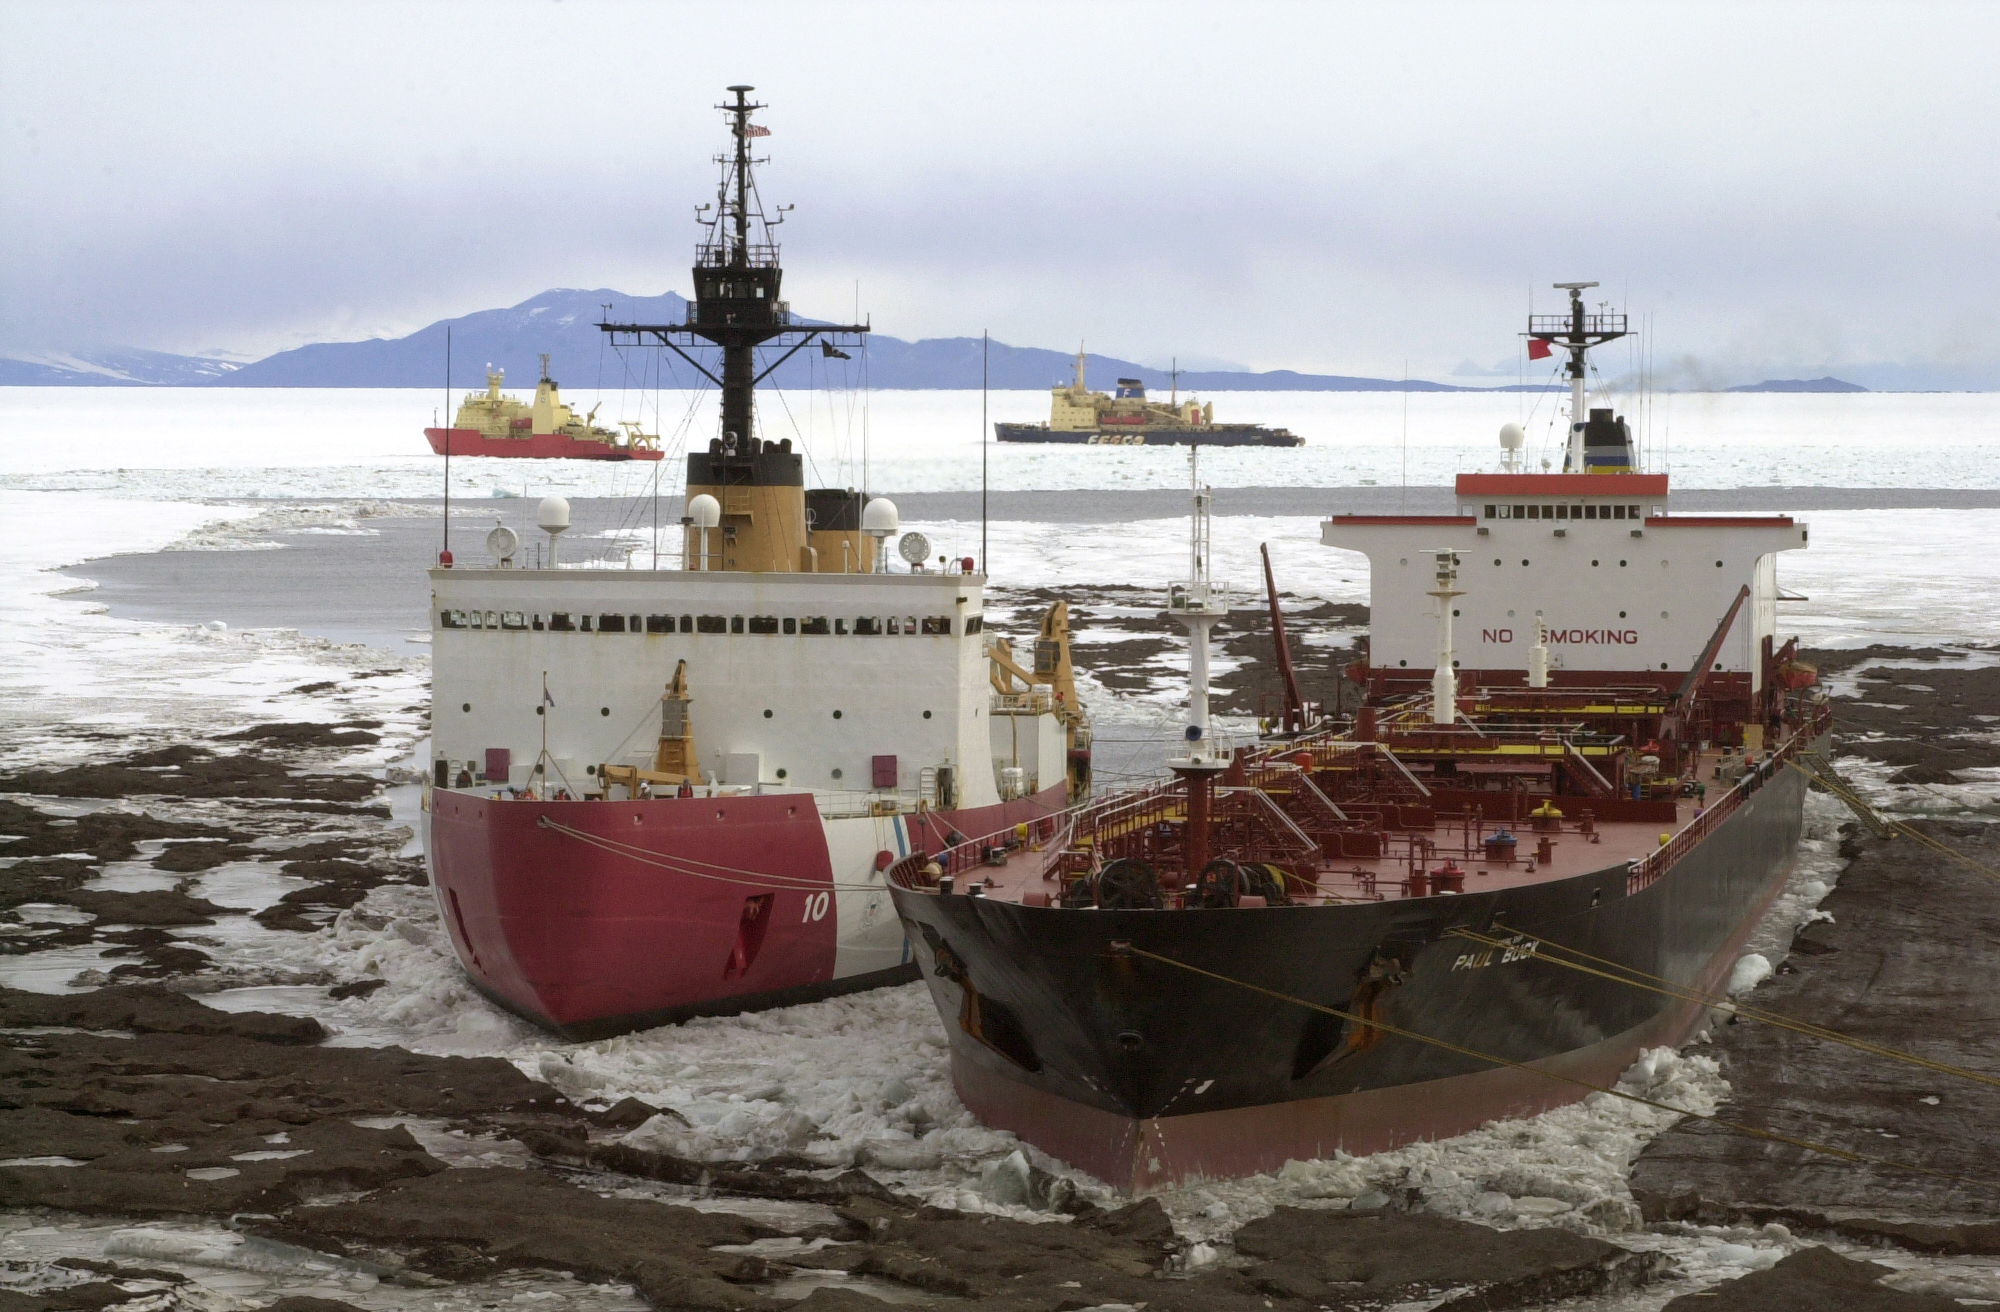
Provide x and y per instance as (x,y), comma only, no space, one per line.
(754,131)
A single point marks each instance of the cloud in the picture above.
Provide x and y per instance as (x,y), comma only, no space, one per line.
(1327,188)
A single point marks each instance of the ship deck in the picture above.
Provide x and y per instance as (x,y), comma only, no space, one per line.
(1030,873)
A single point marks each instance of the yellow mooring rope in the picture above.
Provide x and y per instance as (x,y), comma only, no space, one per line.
(1861,807)
(1126,949)
(1639,979)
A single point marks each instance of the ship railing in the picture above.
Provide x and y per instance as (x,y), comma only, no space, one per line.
(1647,870)
(1045,833)
(1560,324)
(1022,703)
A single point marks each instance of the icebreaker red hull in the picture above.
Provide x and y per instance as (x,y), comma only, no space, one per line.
(640,913)
(539,446)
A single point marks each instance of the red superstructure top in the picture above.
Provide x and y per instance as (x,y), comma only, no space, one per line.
(1562,485)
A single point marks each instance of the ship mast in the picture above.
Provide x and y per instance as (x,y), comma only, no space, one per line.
(737,281)
(1576,332)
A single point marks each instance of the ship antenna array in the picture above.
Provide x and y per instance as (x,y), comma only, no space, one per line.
(737,305)
(1576,332)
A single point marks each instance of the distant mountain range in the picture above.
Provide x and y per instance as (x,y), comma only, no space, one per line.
(1800,385)
(563,323)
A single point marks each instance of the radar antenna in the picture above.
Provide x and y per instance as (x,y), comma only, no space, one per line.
(737,281)
(1576,332)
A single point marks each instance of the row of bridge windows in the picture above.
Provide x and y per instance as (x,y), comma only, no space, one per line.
(1582,510)
(833,625)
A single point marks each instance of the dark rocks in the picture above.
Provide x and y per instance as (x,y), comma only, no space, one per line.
(305,734)
(184,771)
(359,988)
(153,907)
(474,1224)
(1907,963)
(105,835)
(1374,1257)
(1813,1280)
(339,884)
(247,1166)
(151,1010)
(626,1114)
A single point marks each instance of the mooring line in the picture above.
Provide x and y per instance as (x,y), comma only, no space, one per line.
(1686,993)
(1120,948)
(679,865)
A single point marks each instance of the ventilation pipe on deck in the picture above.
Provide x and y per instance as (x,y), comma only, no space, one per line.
(1444,681)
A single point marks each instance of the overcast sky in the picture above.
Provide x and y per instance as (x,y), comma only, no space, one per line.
(1333,188)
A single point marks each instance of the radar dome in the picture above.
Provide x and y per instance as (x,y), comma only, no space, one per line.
(1512,438)
(705,511)
(879,517)
(552,516)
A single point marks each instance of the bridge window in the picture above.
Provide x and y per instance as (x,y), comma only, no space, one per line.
(973,624)
(451,619)
(763,624)
(1520,512)
(867,626)
(840,625)
(687,624)
(791,625)
(611,624)
(538,623)
(560,622)
(895,625)
(1489,512)
(711,624)
(513,619)
(659,624)
(736,624)
(815,624)
(938,625)
(909,624)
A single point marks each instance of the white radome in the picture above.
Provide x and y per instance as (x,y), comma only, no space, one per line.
(879,517)
(552,516)
(704,511)
(1512,437)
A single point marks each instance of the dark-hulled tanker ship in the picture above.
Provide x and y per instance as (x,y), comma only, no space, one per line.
(1575,734)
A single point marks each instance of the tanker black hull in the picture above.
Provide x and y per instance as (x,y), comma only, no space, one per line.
(1218,435)
(1142,1073)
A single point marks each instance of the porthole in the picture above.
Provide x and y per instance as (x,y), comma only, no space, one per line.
(1402,662)
(1718,564)
(836,772)
(1621,614)
(538,710)
(836,715)
(1404,561)
(767,715)
(1454,614)
(590,769)
(1593,564)
(1663,665)
(604,711)
(1621,564)
(1524,562)
(781,772)
(466,707)
(927,715)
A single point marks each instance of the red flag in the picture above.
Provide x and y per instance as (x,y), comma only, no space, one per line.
(754,130)
(1539,348)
